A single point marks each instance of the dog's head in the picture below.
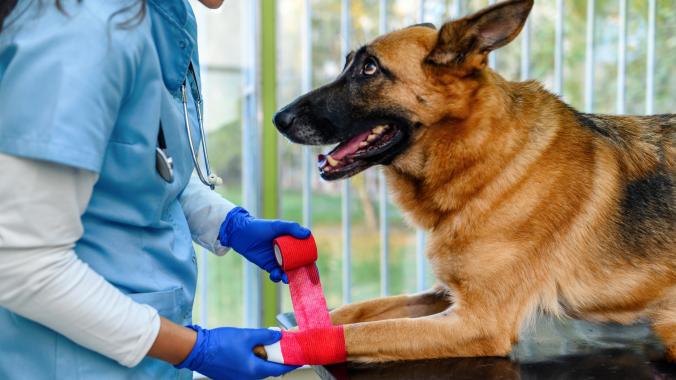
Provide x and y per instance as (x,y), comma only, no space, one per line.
(394,88)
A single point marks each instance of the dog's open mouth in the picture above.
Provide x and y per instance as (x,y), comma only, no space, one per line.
(359,152)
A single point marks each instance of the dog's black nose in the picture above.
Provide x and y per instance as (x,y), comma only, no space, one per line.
(284,119)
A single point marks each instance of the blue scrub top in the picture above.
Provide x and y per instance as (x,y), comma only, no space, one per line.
(79,90)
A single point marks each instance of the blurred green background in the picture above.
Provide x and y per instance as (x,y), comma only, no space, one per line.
(223,41)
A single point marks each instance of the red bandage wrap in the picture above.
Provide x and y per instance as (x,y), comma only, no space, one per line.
(318,346)
(317,341)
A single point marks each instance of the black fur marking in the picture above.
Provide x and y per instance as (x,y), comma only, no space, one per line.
(589,123)
(666,120)
(598,125)
(648,211)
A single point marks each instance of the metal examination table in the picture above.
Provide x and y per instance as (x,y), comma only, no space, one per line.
(552,349)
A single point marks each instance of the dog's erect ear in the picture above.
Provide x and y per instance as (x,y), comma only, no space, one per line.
(470,39)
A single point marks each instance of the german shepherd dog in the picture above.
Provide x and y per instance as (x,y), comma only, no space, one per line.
(530,205)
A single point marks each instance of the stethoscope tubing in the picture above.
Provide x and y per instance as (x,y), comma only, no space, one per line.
(208,178)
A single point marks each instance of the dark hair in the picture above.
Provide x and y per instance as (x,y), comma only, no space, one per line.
(6,7)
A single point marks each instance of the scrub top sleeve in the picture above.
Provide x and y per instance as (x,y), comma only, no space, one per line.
(63,80)
(205,211)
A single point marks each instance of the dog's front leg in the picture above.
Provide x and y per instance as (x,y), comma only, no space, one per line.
(447,334)
(430,302)
(664,324)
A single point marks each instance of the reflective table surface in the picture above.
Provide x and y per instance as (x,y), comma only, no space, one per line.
(549,349)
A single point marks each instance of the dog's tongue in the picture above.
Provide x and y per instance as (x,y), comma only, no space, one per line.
(350,146)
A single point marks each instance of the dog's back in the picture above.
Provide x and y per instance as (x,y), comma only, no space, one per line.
(607,209)
(646,152)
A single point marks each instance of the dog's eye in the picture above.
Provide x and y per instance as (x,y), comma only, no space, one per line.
(370,67)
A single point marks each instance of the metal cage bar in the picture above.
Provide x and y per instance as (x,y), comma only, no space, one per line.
(251,183)
(200,256)
(650,59)
(382,192)
(525,51)
(345,33)
(306,85)
(558,52)
(589,57)
(456,10)
(420,263)
(622,58)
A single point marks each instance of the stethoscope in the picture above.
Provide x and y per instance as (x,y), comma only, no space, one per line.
(164,163)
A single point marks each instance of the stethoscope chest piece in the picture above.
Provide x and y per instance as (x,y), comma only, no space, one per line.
(164,165)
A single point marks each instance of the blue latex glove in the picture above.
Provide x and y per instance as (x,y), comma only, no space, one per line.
(227,353)
(252,238)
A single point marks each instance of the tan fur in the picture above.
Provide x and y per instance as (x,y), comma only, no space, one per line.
(521,202)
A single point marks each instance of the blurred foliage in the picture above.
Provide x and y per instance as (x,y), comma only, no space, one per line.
(606,36)
(225,153)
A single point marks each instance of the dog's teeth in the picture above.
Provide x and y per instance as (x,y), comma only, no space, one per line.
(378,130)
(363,144)
(371,137)
(332,161)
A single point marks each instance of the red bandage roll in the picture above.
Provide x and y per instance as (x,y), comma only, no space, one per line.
(294,253)
(317,341)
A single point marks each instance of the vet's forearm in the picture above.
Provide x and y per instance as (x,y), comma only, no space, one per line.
(42,278)
(173,343)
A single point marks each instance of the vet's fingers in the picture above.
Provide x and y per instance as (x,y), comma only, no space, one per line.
(285,278)
(291,228)
(264,337)
(276,275)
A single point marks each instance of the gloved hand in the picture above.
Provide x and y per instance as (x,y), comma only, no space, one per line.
(252,238)
(227,353)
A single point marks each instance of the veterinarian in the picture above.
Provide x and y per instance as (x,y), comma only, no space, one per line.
(100,125)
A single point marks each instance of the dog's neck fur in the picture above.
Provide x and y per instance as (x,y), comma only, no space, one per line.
(458,161)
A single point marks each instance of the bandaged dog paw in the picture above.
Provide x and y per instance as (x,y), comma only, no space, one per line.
(317,346)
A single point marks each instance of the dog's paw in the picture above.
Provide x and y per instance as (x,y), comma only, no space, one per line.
(260,352)
(671,354)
